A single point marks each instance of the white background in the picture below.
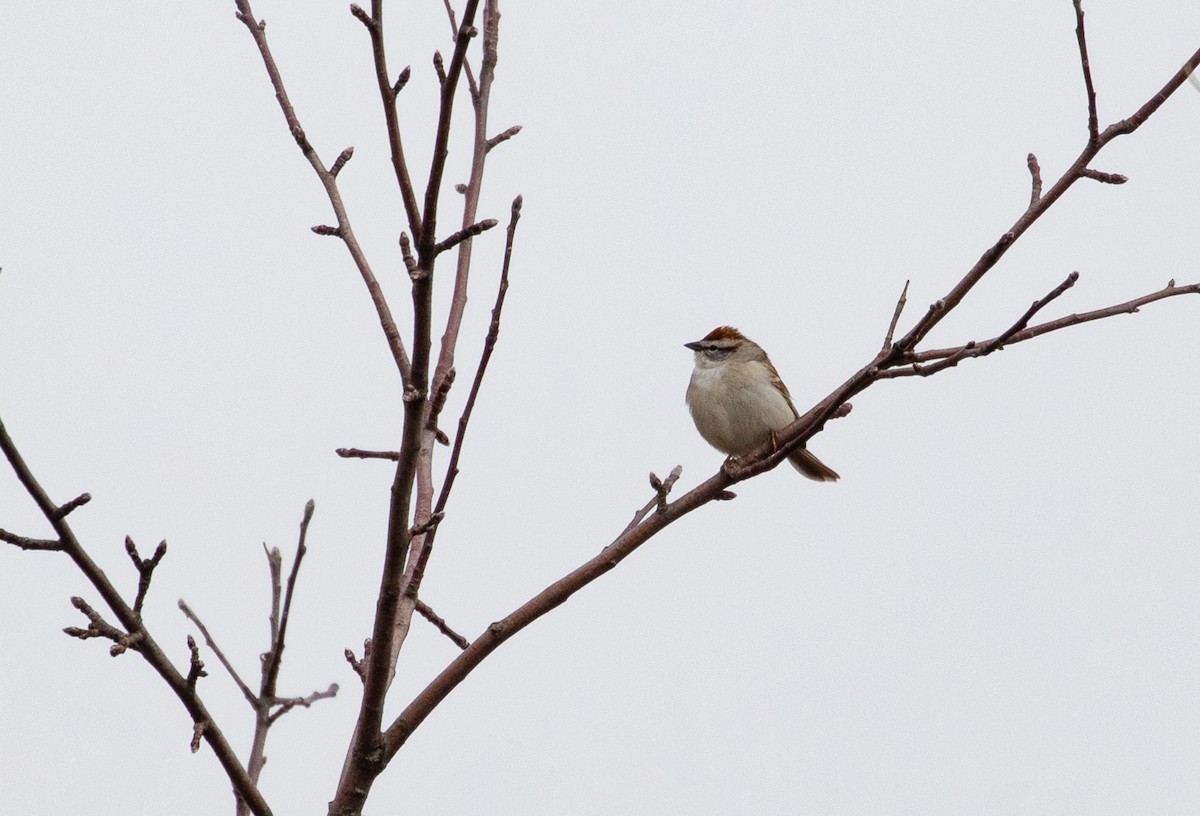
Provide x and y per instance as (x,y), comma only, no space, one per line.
(994,612)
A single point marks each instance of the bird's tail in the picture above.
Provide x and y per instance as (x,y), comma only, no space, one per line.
(812,467)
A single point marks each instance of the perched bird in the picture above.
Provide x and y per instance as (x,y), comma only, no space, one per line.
(738,401)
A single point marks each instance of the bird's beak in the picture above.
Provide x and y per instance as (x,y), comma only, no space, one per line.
(693,346)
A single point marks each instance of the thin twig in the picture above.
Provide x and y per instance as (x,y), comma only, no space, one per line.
(443,373)
(275,569)
(1081,38)
(891,330)
(998,342)
(77,502)
(662,487)
(466,233)
(358,665)
(1105,178)
(503,136)
(195,664)
(388,91)
(343,230)
(471,85)
(139,637)
(355,453)
(286,704)
(489,346)
(974,349)
(212,644)
(401,80)
(98,627)
(272,660)
(340,161)
(27,543)
(145,568)
(437,404)
(271,669)
(440,624)
(1035,174)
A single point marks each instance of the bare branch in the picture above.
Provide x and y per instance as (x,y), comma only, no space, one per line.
(489,346)
(503,136)
(410,261)
(145,568)
(1106,178)
(27,543)
(429,615)
(98,627)
(199,730)
(328,180)
(428,525)
(195,664)
(212,644)
(466,233)
(453,19)
(481,96)
(78,501)
(1081,38)
(974,349)
(275,569)
(662,487)
(286,704)
(439,67)
(138,638)
(388,91)
(1078,169)
(887,339)
(1035,173)
(401,80)
(363,17)
(438,403)
(355,663)
(1023,321)
(275,656)
(340,161)
(770,455)
(433,189)
(1129,125)
(355,453)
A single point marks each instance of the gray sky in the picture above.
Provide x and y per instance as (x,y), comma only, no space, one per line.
(995,610)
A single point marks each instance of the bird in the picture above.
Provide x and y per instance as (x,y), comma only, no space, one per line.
(738,401)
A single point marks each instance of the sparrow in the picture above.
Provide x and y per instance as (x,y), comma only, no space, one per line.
(738,401)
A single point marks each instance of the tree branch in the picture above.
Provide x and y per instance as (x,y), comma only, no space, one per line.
(145,645)
(145,568)
(440,624)
(387,96)
(891,330)
(489,346)
(344,231)
(27,543)
(772,452)
(1078,169)
(355,453)
(1081,38)
(444,372)
(1022,333)
(394,607)
(212,644)
(265,700)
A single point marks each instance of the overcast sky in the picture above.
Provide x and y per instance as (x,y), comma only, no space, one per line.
(994,612)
